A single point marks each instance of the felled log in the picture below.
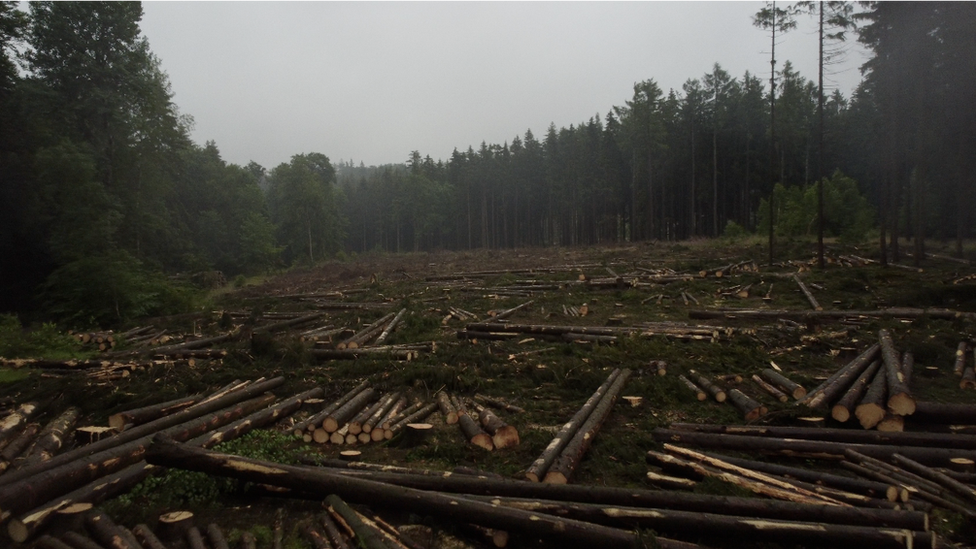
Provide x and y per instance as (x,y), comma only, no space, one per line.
(415,417)
(699,394)
(336,537)
(216,537)
(194,539)
(18,445)
(382,426)
(717,392)
(145,536)
(960,365)
(841,411)
(149,413)
(276,326)
(106,532)
(807,448)
(27,493)
(316,419)
(968,380)
(900,399)
(347,411)
(260,418)
(751,410)
(448,410)
(659,366)
(380,339)
(563,467)
(52,437)
(839,382)
(770,389)
(387,403)
(316,538)
(669,482)
(195,344)
(366,537)
(937,412)
(806,291)
(473,433)
(356,423)
(353,354)
(540,466)
(500,404)
(966,492)
(502,434)
(784,383)
(16,419)
(871,410)
(509,312)
(129,435)
(365,335)
(914,438)
(800,316)
(174,526)
(553,529)
(698,524)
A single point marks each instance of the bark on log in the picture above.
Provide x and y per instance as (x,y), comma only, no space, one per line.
(106,532)
(960,365)
(148,429)
(194,539)
(769,389)
(255,420)
(908,367)
(338,539)
(51,438)
(145,536)
(78,541)
(669,482)
(275,326)
(316,538)
(784,383)
(801,316)
(499,404)
(509,312)
(473,433)
(360,490)
(871,410)
(388,402)
(947,482)
(900,399)
(415,417)
(216,537)
(968,380)
(47,542)
(841,411)
(839,382)
(363,336)
(562,469)
(937,412)
(696,524)
(149,413)
(717,392)
(502,434)
(540,466)
(806,291)
(11,424)
(195,344)
(18,445)
(940,440)
(315,420)
(808,448)
(366,537)
(174,526)
(699,394)
(370,352)
(347,411)
(22,495)
(447,408)
(751,410)
(356,423)
(389,328)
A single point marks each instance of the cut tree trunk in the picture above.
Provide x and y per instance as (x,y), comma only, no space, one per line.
(388,402)
(52,437)
(968,380)
(717,392)
(364,336)
(562,469)
(770,389)
(347,411)
(216,537)
(415,417)
(473,433)
(174,526)
(940,440)
(806,291)
(365,537)
(959,489)
(380,339)
(552,529)
(499,404)
(871,410)
(699,394)
(149,413)
(509,312)
(502,434)
(106,532)
(356,423)
(751,410)
(784,383)
(18,445)
(960,365)
(257,419)
(900,399)
(842,410)
(838,383)
(276,326)
(16,419)
(315,420)
(447,408)
(148,429)
(145,536)
(338,539)
(540,466)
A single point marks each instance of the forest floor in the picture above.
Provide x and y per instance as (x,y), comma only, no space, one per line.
(549,379)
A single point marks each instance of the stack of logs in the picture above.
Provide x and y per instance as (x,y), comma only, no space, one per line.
(485,430)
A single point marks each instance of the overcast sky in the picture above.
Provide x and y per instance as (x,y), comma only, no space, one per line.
(372,81)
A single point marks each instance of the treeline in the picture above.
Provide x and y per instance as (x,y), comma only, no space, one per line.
(107,208)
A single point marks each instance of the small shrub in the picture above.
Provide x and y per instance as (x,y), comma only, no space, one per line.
(45,341)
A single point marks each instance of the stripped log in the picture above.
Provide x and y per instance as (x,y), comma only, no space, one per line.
(841,380)
(347,411)
(316,419)
(363,336)
(448,410)
(871,409)
(808,448)
(540,466)
(380,339)
(202,408)
(551,529)
(563,467)
(900,400)
(960,365)
(809,295)
(841,411)
(387,403)
(149,413)
(699,394)
(751,410)
(378,433)
(11,424)
(784,383)
(770,389)
(509,312)
(717,392)
(260,418)
(356,423)
(502,434)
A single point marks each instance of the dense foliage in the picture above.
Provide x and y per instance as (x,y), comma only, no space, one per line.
(108,209)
